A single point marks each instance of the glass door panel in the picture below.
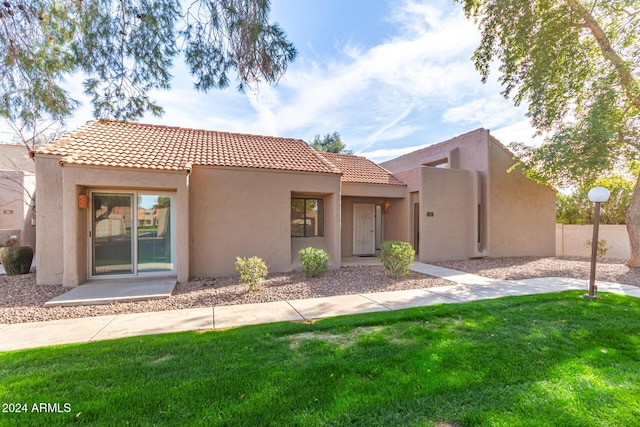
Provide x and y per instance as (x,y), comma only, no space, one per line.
(154,233)
(112,243)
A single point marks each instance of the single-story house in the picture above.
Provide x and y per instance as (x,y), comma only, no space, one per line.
(213,196)
(17,194)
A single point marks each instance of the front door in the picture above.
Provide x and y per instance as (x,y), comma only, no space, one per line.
(364,227)
(131,234)
(416,227)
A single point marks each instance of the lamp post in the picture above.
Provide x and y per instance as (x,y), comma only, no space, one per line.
(597,195)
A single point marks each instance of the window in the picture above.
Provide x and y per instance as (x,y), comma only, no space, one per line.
(307,217)
(442,163)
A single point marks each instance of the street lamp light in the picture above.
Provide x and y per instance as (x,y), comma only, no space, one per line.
(597,195)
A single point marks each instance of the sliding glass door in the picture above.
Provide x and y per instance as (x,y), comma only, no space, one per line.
(132,233)
(154,233)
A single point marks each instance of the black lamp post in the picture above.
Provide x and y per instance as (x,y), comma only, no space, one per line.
(597,195)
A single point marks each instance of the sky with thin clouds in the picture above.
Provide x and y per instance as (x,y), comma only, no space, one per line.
(389,76)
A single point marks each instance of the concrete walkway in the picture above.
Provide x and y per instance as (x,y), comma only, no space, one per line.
(467,287)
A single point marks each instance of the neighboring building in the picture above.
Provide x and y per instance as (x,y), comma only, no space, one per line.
(464,203)
(17,192)
(124,199)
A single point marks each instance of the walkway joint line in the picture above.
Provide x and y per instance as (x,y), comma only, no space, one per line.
(296,310)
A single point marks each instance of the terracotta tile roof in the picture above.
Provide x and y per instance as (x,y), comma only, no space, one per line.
(135,145)
(361,170)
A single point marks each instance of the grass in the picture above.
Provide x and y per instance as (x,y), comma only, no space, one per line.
(554,359)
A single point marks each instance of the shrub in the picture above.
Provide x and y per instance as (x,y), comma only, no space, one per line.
(602,249)
(397,257)
(16,259)
(314,261)
(252,270)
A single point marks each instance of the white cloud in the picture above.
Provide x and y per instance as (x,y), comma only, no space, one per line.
(372,91)
(520,131)
(407,90)
(383,154)
(488,111)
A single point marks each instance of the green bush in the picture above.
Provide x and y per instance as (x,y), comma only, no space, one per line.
(397,257)
(602,249)
(16,259)
(314,261)
(252,270)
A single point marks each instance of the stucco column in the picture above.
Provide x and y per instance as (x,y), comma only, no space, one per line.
(183,230)
(70,224)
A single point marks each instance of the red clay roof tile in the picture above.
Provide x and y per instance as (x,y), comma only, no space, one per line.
(361,170)
(122,144)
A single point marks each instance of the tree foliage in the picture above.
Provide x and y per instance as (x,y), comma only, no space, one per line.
(126,49)
(576,65)
(575,208)
(331,143)
(576,68)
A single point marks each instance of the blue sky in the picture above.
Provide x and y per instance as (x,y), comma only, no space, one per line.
(389,76)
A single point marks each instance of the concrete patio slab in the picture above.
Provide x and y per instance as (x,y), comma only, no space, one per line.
(354,261)
(407,299)
(160,322)
(54,332)
(230,316)
(335,306)
(110,291)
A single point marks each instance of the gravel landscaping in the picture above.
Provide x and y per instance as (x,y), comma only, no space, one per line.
(21,300)
(516,268)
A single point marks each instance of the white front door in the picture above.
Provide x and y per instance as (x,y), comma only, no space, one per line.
(364,227)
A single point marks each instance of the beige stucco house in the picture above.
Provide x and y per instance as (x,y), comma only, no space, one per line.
(212,196)
(464,203)
(17,191)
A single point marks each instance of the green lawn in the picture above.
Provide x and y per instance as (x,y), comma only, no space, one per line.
(553,359)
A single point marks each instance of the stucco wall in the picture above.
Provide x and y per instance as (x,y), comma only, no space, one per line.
(396,221)
(466,151)
(16,191)
(245,212)
(49,246)
(373,190)
(521,212)
(571,239)
(448,233)
(62,227)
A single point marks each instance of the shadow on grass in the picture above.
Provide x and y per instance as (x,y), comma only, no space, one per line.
(539,360)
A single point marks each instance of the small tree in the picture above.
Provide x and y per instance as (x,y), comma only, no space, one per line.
(330,143)
(575,208)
